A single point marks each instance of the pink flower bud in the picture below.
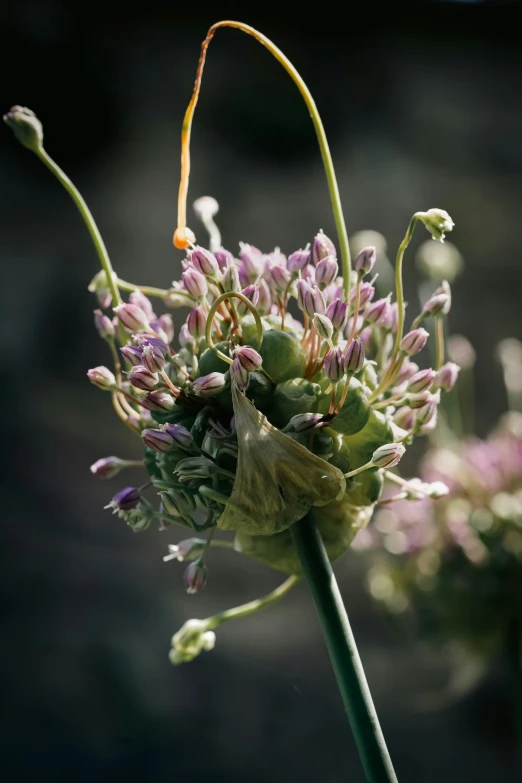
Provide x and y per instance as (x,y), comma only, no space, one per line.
(365,261)
(421,381)
(334,365)
(166,324)
(281,277)
(196,323)
(377,313)
(159,401)
(157,440)
(302,422)
(205,262)
(104,325)
(253,261)
(153,357)
(248,357)
(298,260)
(354,360)
(264,303)
(326,271)
(447,376)
(102,377)
(143,302)
(436,305)
(414,341)
(230,279)
(302,288)
(428,412)
(142,378)
(314,302)
(388,456)
(195,577)
(209,385)
(252,294)
(337,312)
(322,247)
(240,375)
(405,417)
(419,399)
(366,294)
(107,467)
(223,257)
(132,317)
(195,282)
(392,318)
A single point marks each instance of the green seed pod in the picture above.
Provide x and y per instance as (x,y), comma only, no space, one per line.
(356,409)
(292,397)
(210,362)
(377,432)
(365,488)
(283,356)
(338,523)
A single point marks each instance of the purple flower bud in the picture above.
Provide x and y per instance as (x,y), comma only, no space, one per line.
(159,401)
(407,370)
(189,549)
(230,278)
(195,282)
(334,365)
(421,381)
(195,577)
(436,305)
(366,336)
(447,376)
(322,247)
(405,417)
(388,456)
(143,302)
(205,262)
(107,467)
(102,377)
(223,257)
(280,276)
(338,314)
(249,358)
(314,302)
(428,412)
(132,317)
(240,375)
(444,288)
(252,294)
(264,304)
(377,313)
(196,323)
(157,440)
(180,434)
(323,326)
(208,385)
(142,378)
(326,271)
(366,294)
(104,325)
(302,288)
(184,337)
(302,422)
(125,499)
(298,260)
(392,318)
(419,399)
(308,273)
(414,341)
(153,357)
(365,261)
(253,261)
(104,297)
(354,359)
(166,324)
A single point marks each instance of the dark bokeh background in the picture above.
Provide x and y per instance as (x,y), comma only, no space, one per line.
(422,107)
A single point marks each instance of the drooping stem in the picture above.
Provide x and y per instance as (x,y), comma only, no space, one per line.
(343,652)
(88,219)
(182,235)
(215,305)
(252,606)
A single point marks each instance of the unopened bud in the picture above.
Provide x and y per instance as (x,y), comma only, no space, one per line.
(428,412)
(209,385)
(421,381)
(102,377)
(125,500)
(419,399)
(302,422)
(326,271)
(223,257)
(253,261)
(323,326)
(377,313)
(281,277)
(205,262)
(365,261)
(132,317)
(405,418)
(132,354)
(107,467)
(196,323)
(438,222)
(302,288)
(314,301)
(158,401)
(143,302)
(195,282)
(26,127)
(157,440)
(414,341)
(195,577)
(388,456)
(334,365)
(180,435)
(447,376)
(354,359)
(249,358)
(153,357)
(337,312)
(366,294)
(240,375)
(436,305)
(230,279)
(188,549)
(264,303)
(322,247)
(142,378)
(104,325)
(298,260)
(252,294)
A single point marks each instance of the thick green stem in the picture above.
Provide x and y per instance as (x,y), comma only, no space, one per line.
(343,652)
(88,219)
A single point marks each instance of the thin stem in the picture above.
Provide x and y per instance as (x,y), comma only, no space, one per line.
(364,467)
(407,484)
(253,606)
(343,652)
(181,237)
(146,289)
(208,331)
(439,342)
(88,219)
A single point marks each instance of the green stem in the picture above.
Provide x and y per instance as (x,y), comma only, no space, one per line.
(146,289)
(439,342)
(210,318)
(343,652)
(252,606)
(351,473)
(88,219)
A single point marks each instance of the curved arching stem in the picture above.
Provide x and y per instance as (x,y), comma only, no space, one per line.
(183,236)
(210,318)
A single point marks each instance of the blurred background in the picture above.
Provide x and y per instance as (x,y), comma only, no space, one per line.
(421,104)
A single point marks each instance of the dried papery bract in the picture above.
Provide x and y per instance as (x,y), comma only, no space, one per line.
(277,479)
